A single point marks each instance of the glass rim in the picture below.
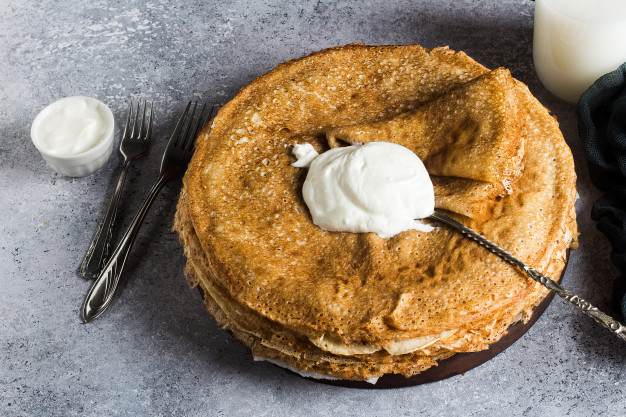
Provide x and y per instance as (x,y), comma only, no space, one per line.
(610,18)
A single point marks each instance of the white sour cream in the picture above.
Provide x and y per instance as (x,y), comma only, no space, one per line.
(73,127)
(378,187)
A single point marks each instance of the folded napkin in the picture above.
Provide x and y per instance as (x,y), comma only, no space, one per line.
(602,127)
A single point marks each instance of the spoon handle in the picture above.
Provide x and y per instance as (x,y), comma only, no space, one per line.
(604,319)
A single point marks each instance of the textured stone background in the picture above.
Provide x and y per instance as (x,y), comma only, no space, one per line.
(156,352)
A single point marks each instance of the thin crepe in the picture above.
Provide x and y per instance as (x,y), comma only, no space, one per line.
(471,132)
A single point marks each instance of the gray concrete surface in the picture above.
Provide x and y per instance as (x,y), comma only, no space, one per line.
(156,352)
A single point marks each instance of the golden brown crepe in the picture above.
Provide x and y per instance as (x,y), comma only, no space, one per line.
(465,196)
(470,132)
(469,140)
(356,306)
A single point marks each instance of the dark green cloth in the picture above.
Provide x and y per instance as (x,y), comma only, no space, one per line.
(602,127)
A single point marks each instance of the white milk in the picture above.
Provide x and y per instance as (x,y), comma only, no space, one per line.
(576,42)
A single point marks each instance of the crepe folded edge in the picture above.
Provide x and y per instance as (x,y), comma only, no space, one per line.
(470,140)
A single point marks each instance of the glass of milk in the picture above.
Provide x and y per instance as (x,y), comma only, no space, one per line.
(576,42)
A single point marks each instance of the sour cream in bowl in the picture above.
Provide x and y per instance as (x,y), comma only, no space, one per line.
(74,135)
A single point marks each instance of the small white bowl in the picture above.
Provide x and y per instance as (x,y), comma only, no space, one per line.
(84,163)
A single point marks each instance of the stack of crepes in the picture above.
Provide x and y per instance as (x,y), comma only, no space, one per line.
(356,306)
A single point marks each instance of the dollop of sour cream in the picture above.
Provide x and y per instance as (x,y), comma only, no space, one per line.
(73,128)
(378,187)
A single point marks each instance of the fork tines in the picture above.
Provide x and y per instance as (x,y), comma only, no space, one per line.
(135,133)
(186,124)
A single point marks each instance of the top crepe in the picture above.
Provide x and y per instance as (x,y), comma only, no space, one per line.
(472,132)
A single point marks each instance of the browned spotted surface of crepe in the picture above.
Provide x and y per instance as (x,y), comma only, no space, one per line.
(349,305)
(470,132)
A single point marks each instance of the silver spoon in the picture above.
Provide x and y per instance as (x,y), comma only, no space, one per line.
(604,319)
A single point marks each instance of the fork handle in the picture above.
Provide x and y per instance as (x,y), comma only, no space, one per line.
(102,290)
(604,319)
(98,250)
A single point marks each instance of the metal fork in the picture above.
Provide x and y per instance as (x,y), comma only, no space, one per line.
(132,146)
(175,160)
